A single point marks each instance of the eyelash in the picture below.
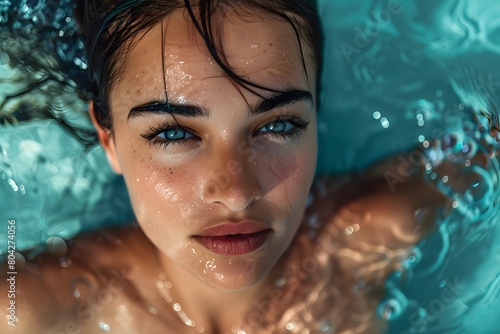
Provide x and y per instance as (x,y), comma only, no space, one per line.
(298,123)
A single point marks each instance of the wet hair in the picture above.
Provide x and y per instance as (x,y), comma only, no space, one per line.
(109,27)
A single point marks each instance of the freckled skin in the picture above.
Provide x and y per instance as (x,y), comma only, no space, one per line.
(197,191)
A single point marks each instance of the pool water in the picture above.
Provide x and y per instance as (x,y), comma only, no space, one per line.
(398,74)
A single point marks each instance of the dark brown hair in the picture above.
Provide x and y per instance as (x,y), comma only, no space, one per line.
(108,26)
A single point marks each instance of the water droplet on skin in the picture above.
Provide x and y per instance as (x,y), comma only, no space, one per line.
(13,184)
(81,287)
(104,326)
(280,282)
(65,262)
(328,327)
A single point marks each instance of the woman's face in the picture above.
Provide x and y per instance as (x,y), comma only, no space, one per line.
(220,183)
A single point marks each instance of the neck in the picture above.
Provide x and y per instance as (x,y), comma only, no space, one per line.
(214,310)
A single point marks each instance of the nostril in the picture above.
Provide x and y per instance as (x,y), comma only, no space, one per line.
(210,190)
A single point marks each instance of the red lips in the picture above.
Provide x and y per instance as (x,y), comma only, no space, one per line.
(229,238)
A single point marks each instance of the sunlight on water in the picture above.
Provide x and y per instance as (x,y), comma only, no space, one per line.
(429,69)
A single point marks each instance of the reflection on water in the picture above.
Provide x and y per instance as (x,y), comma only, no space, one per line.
(423,74)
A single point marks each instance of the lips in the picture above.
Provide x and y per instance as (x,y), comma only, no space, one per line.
(231,238)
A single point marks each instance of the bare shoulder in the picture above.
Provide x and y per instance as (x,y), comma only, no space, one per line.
(55,290)
(367,215)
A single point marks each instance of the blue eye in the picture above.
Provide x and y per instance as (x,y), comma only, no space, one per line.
(175,134)
(166,134)
(277,127)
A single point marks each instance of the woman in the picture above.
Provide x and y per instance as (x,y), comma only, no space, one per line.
(208,109)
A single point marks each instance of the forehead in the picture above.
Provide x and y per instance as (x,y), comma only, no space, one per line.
(260,48)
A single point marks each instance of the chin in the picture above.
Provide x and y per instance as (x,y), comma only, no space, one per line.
(238,277)
(233,273)
(229,273)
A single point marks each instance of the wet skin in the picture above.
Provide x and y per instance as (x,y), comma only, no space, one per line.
(116,271)
(178,191)
(232,159)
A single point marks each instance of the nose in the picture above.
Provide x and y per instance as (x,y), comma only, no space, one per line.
(231,180)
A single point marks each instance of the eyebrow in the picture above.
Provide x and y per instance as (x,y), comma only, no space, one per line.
(162,107)
(281,99)
(278,99)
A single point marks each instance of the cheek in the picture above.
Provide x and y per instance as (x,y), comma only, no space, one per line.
(287,178)
(161,194)
(293,167)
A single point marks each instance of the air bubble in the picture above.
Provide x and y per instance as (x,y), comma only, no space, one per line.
(389,309)
(56,245)
(384,122)
(13,184)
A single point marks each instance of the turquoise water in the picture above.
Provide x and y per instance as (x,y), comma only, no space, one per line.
(398,75)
